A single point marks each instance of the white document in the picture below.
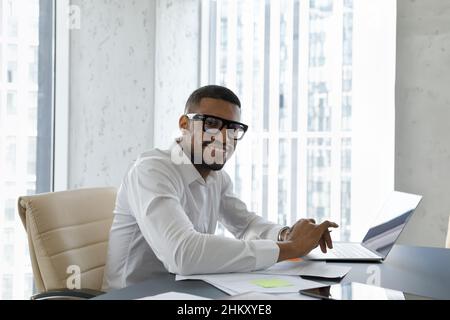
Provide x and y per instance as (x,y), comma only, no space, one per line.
(307,268)
(238,283)
(271,296)
(254,296)
(222,288)
(174,296)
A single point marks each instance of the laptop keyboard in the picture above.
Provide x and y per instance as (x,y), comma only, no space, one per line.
(352,251)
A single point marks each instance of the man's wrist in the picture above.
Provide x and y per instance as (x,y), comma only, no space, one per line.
(287,251)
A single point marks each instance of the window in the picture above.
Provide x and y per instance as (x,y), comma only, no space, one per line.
(10,184)
(30,188)
(32,113)
(33,66)
(28,280)
(12,52)
(10,211)
(1,54)
(31,157)
(1,20)
(26,66)
(11,155)
(293,64)
(7,287)
(12,71)
(8,253)
(8,236)
(11,18)
(11,103)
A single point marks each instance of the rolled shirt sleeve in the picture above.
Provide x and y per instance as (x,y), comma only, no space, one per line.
(239,221)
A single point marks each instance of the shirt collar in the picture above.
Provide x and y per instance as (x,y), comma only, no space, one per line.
(187,169)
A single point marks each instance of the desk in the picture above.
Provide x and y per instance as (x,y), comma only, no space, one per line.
(415,270)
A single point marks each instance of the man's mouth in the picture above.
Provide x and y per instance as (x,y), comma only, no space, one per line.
(215,146)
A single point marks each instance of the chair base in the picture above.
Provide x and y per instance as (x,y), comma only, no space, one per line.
(65,294)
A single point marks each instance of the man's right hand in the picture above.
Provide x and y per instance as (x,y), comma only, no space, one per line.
(304,237)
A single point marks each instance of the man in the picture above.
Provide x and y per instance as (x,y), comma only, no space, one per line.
(170,202)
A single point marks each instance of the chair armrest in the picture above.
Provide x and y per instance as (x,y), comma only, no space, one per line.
(65,294)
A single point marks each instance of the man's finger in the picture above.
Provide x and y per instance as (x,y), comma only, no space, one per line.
(327,237)
(326,225)
(312,221)
(323,245)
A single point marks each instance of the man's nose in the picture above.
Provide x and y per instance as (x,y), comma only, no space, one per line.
(223,132)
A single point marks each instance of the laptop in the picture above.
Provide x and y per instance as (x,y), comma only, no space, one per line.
(380,238)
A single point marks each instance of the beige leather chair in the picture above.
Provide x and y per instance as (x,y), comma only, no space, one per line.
(448,236)
(67,229)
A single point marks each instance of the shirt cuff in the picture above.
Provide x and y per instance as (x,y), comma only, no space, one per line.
(267,253)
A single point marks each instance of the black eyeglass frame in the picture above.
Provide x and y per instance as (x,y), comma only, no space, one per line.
(225,123)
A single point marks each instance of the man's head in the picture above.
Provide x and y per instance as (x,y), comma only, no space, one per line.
(211,126)
(212,92)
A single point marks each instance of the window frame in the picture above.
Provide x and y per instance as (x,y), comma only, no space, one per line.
(60,158)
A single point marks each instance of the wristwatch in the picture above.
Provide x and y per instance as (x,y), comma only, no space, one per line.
(280,234)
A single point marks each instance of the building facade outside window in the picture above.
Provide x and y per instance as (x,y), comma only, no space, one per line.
(21,94)
(292,63)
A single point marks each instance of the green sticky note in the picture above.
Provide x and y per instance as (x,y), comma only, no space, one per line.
(272,283)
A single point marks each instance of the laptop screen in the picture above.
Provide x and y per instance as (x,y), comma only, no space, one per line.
(391,221)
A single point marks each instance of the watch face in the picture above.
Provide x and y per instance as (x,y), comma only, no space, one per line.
(280,234)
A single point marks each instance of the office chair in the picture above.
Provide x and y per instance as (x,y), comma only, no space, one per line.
(68,232)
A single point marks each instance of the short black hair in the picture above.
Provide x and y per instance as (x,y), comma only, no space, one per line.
(213,92)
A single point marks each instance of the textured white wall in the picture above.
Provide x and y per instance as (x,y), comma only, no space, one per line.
(177,64)
(111,89)
(123,62)
(423,115)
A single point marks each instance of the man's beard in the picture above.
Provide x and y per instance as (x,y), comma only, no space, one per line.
(212,165)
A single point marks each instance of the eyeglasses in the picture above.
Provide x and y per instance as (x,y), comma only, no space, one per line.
(236,130)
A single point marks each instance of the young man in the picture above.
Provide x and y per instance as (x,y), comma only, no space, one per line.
(170,202)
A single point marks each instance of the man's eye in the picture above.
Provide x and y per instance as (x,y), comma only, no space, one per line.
(236,127)
(213,123)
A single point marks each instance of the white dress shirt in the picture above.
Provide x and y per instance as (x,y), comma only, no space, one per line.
(165,218)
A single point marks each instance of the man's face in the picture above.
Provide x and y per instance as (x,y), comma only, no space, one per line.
(212,148)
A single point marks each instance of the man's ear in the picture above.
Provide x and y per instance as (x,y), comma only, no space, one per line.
(184,123)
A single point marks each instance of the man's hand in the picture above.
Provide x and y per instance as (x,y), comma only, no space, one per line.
(304,237)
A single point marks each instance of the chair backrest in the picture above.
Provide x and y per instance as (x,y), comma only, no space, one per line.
(68,231)
(448,235)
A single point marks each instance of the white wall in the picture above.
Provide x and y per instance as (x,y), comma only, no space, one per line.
(122,64)
(177,64)
(373,117)
(111,89)
(423,116)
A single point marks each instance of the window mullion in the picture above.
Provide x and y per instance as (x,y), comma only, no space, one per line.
(274,86)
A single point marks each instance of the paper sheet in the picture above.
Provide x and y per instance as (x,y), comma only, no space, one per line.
(307,268)
(222,288)
(174,296)
(237,283)
(272,283)
(272,296)
(234,296)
